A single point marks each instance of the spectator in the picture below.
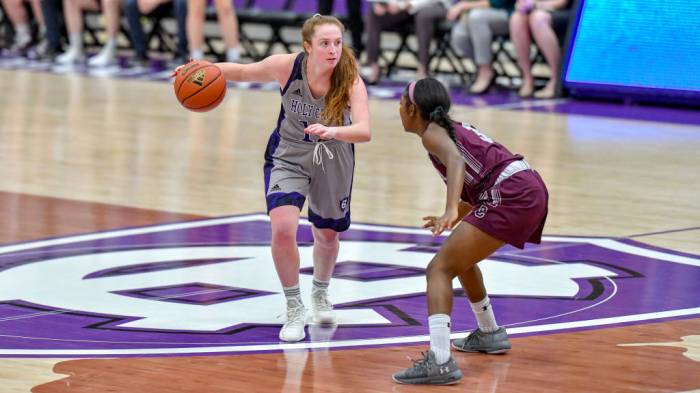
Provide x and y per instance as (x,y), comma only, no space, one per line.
(424,13)
(355,23)
(20,21)
(52,11)
(538,19)
(73,12)
(228,24)
(472,35)
(134,9)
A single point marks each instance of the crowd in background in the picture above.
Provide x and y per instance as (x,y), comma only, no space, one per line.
(54,30)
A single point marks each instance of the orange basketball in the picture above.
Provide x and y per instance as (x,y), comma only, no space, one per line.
(200,86)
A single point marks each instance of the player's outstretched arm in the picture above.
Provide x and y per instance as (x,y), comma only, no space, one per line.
(272,68)
(438,143)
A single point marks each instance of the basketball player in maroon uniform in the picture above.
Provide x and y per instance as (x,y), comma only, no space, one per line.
(495,198)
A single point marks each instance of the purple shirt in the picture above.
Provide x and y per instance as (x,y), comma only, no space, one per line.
(484,159)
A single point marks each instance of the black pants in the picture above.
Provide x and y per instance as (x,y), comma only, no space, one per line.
(355,24)
(53,15)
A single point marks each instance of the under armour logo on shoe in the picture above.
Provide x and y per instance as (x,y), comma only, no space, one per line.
(444,369)
(276,187)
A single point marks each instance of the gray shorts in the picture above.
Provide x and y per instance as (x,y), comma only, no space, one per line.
(292,175)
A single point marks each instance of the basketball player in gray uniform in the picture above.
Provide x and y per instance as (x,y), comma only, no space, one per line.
(310,155)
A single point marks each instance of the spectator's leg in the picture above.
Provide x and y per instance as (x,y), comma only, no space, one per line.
(425,21)
(51,9)
(379,19)
(460,39)
(111,9)
(547,41)
(73,12)
(195,27)
(43,47)
(228,25)
(483,24)
(181,26)
(36,9)
(20,21)
(133,14)
(356,25)
(520,36)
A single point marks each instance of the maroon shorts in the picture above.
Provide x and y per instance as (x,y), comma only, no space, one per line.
(513,210)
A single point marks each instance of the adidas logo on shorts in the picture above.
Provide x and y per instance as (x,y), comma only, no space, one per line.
(276,187)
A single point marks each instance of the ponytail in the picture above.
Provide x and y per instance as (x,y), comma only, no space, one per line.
(441,118)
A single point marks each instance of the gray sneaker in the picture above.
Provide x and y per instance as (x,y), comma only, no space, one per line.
(428,372)
(478,341)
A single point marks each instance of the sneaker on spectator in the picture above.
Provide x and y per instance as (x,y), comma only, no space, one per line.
(21,45)
(71,56)
(141,62)
(103,59)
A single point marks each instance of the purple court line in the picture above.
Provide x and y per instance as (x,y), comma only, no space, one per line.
(664,232)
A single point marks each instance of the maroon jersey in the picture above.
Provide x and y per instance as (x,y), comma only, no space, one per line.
(484,159)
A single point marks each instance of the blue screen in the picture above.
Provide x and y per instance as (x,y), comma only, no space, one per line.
(651,44)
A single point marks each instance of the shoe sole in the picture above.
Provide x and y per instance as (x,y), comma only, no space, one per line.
(292,341)
(451,381)
(499,351)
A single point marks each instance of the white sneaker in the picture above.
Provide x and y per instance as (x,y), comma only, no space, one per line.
(102,59)
(69,57)
(293,329)
(322,308)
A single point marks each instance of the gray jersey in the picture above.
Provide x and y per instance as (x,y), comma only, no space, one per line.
(299,166)
(299,107)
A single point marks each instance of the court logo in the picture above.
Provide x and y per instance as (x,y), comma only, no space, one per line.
(210,286)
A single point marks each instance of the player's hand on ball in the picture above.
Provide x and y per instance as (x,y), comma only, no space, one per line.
(176,70)
(321,130)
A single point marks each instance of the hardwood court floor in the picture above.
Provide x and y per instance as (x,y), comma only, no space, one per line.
(81,155)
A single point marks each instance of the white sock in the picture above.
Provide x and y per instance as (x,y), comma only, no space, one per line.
(22,34)
(110,46)
(439,325)
(484,315)
(319,285)
(196,54)
(233,55)
(293,295)
(76,43)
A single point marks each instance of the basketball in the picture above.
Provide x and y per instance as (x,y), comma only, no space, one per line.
(200,86)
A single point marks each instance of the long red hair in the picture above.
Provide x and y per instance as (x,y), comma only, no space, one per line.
(344,74)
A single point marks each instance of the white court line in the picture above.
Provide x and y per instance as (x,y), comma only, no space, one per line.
(601,242)
(346,343)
